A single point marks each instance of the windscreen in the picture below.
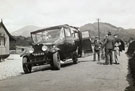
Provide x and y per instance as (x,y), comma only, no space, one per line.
(46,36)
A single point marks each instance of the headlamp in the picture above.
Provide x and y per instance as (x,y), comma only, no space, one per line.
(31,50)
(44,48)
(54,46)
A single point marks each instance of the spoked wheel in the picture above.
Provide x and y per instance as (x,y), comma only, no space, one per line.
(26,67)
(56,61)
(75,58)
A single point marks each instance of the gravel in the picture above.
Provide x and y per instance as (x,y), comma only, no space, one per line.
(12,66)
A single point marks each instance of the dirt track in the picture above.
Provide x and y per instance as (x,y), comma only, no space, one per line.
(12,66)
(84,76)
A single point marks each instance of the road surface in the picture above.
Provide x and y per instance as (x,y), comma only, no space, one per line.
(84,76)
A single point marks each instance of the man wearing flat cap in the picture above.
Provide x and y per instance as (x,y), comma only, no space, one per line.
(109,46)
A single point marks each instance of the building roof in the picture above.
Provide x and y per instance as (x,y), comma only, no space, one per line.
(10,36)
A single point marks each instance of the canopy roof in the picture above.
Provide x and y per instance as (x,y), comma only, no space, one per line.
(51,28)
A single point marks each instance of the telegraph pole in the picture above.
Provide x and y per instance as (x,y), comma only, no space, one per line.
(98,29)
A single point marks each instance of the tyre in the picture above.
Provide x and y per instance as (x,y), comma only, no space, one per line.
(26,67)
(56,61)
(75,58)
(52,65)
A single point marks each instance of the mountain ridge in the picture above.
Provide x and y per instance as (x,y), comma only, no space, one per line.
(104,27)
(25,31)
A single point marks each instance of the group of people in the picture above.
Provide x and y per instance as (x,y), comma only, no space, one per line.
(109,48)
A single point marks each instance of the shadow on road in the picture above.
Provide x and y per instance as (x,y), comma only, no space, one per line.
(39,68)
(48,67)
(66,64)
(85,61)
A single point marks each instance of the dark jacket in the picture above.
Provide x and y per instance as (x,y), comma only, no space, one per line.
(109,42)
(97,45)
(122,46)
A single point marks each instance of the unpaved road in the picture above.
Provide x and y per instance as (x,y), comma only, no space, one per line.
(84,76)
(12,66)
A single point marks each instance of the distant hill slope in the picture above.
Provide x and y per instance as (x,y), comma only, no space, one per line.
(25,31)
(131,31)
(104,28)
(23,41)
(125,34)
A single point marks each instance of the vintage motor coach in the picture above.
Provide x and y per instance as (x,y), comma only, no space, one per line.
(52,46)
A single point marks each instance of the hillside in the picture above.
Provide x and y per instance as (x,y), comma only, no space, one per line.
(130,31)
(25,31)
(125,34)
(22,35)
(23,41)
(104,28)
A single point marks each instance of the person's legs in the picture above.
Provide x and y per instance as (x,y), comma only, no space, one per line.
(94,56)
(118,55)
(115,56)
(106,56)
(111,57)
(103,54)
(98,55)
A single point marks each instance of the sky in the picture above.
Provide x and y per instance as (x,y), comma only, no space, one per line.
(44,13)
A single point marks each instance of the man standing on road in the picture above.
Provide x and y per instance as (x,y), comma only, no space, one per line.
(97,46)
(109,46)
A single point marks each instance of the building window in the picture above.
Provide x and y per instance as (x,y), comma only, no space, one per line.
(2,41)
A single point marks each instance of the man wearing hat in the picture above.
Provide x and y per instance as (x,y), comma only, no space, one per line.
(97,47)
(109,46)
